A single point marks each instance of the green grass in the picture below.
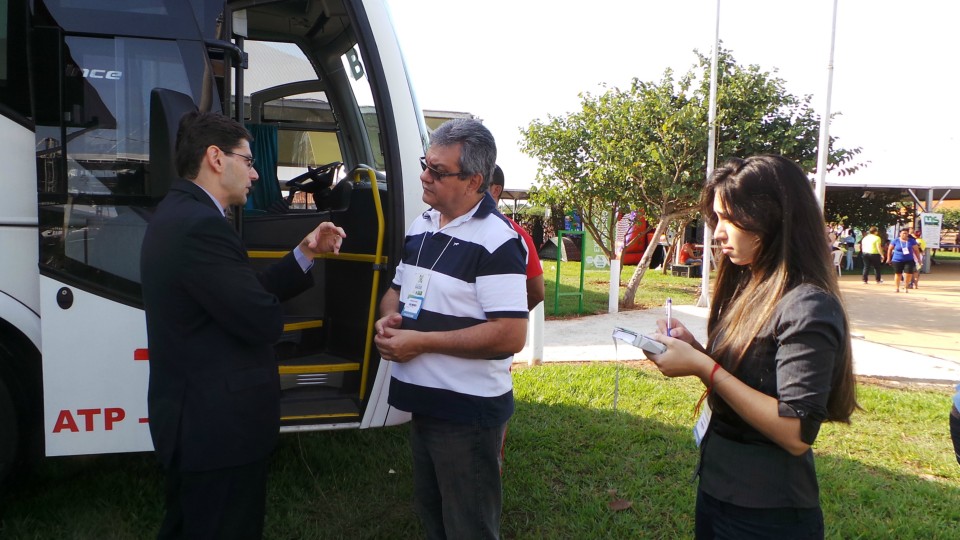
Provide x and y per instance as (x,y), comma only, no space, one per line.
(891,474)
(655,288)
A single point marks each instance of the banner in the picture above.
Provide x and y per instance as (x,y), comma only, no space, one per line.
(593,257)
(930,227)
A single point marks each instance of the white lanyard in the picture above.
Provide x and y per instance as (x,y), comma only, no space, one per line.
(422,241)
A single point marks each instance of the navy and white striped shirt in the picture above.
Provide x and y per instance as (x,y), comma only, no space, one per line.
(477,272)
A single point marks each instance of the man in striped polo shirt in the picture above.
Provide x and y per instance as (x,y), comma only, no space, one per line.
(453,318)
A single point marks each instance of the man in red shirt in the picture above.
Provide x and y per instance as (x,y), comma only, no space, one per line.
(534,270)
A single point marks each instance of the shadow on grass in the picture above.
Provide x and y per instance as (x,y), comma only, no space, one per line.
(567,451)
(594,301)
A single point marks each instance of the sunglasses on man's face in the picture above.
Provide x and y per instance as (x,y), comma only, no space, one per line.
(435,174)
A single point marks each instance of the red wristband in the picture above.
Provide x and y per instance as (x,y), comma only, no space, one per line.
(712,373)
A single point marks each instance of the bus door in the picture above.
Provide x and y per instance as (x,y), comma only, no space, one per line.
(318,156)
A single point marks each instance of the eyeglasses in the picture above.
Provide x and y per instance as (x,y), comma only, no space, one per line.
(250,159)
(435,174)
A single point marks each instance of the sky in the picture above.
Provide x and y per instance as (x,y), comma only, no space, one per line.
(511,62)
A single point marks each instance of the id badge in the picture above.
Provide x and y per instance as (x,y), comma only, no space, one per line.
(700,428)
(413,293)
(906,250)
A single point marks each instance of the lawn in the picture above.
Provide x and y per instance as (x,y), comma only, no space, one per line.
(891,474)
(655,288)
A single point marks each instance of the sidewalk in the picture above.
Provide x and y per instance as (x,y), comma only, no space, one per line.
(895,336)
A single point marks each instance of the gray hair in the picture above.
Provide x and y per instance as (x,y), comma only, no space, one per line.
(478,150)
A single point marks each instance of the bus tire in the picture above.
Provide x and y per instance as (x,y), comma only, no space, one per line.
(9,432)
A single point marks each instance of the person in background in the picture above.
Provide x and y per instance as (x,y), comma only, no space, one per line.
(214,390)
(778,358)
(850,243)
(535,292)
(922,245)
(955,423)
(903,253)
(833,241)
(872,254)
(451,322)
(688,254)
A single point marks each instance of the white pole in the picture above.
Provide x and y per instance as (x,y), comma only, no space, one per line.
(704,300)
(536,335)
(613,298)
(823,153)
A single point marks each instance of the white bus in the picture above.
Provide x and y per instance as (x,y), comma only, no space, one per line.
(90,95)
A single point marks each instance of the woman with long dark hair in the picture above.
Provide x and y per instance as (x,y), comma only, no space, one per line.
(777,362)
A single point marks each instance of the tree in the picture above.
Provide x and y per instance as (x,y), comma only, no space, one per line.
(645,147)
(951,218)
(863,209)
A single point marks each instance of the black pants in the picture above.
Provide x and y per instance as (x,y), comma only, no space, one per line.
(871,259)
(456,478)
(222,503)
(717,520)
(955,431)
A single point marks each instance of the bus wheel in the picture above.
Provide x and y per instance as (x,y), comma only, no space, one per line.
(9,432)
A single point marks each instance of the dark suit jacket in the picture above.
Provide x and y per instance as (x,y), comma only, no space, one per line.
(211,325)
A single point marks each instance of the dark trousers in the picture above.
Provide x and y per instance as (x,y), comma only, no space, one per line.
(725,521)
(222,503)
(871,259)
(955,431)
(456,478)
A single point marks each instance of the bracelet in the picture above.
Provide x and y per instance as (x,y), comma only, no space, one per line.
(713,372)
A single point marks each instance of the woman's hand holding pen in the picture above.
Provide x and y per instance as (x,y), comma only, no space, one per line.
(678,331)
(682,357)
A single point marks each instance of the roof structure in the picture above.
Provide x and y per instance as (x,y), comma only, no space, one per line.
(916,191)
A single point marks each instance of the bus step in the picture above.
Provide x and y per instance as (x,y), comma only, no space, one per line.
(304,410)
(318,370)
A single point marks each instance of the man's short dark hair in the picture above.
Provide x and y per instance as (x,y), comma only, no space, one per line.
(201,130)
(497,179)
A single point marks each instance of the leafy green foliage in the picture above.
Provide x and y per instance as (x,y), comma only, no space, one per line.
(644,148)
(951,218)
(863,209)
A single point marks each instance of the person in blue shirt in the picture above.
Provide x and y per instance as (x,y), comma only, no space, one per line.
(903,253)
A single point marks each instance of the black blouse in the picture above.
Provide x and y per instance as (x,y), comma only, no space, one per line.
(796,359)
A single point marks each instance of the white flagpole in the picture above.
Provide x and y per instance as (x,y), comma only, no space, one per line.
(704,300)
(824,152)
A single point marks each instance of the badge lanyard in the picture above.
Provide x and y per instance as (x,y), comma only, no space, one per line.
(419,251)
(413,303)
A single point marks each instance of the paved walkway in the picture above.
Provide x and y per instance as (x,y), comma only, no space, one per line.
(906,336)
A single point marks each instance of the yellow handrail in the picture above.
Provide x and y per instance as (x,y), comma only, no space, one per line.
(353,257)
(375,190)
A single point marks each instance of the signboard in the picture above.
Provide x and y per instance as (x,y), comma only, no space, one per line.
(593,257)
(930,225)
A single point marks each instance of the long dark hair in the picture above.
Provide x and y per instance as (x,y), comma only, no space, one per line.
(771,197)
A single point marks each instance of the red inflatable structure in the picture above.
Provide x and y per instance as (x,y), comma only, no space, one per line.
(643,233)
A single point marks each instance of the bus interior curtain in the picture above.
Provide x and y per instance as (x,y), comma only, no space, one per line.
(265,146)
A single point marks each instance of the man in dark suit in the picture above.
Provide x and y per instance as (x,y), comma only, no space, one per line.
(211,324)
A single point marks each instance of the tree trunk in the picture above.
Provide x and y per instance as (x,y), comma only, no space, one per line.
(630,295)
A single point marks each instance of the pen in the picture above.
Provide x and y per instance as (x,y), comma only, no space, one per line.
(669,313)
